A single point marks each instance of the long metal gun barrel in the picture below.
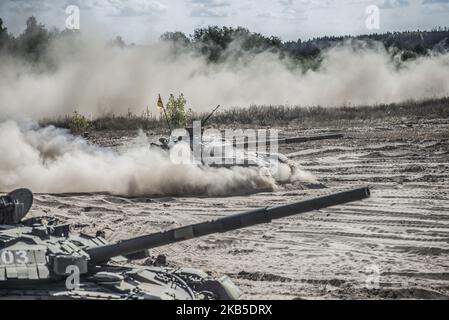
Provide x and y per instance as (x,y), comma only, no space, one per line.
(246,144)
(232,222)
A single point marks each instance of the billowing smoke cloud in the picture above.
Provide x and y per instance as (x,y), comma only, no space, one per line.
(50,160)
(95,78)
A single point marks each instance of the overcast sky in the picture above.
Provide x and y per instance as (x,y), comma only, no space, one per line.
(140,20)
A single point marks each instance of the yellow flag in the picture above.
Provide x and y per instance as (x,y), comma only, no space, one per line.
(160,104)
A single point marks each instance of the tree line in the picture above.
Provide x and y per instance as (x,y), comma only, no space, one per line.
(214,42)
(217,43)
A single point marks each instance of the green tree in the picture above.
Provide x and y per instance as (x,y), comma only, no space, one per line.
(4,36)
(33,42)
(214,41)
(177,113)
(176,37)
(79,124)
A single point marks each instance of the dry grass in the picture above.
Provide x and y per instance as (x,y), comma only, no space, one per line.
(111,122)
(279,115)
(284,115)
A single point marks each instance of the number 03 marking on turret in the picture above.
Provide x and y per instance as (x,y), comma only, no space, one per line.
(13,257)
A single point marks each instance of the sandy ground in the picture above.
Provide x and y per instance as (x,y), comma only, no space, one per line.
(401,232)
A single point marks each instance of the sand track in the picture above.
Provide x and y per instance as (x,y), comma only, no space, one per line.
(401,232)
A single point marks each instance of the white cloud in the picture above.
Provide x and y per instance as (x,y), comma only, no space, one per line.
(138,20)
(212,3)
(208,13)
(389,4)
(210,8)
(124,8)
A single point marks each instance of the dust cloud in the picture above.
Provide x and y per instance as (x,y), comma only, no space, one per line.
(88,75)
(50,160)
(96,78)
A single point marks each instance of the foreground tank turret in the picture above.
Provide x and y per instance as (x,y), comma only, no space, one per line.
(46,261)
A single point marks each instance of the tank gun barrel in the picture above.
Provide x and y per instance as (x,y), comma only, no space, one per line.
(246,144)
(228,223)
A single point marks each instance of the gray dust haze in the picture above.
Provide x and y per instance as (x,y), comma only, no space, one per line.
(96,78)
(50,160)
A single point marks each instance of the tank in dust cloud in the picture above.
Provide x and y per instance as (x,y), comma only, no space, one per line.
(242,153)
(239,151)
(46,261)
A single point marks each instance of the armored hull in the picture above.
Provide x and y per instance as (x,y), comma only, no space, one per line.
(44,260)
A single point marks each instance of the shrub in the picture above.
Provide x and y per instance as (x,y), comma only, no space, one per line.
(79,124)
(176,111)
